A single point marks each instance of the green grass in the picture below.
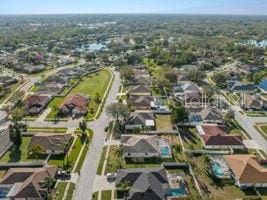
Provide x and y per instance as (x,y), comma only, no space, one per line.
(102,159)
(89,85)
(21,154)
(70,191)
(47,129)
(85,150)
(191,139)
(263,130)
(106,195)
(95,196)
(60,189)
(6,94)
(72,156)
(163,122)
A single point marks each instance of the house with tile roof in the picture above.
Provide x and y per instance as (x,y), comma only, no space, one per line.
(247,170)
(51,143)
(27,183)
(75,104)
(139,120)
(36,103)
(205,116)
(216,137)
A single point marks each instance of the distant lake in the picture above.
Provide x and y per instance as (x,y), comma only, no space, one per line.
(262,43)
(94,47)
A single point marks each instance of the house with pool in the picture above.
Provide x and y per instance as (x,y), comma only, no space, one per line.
(151,184)
(247,171)
(139,147)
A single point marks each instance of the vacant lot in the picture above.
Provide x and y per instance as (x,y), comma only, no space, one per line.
(163,122)
(89,85)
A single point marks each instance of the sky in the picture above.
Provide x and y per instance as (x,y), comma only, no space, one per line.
(238,7)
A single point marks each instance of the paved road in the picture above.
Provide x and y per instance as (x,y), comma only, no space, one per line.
(85,185)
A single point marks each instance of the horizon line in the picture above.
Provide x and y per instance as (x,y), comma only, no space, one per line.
(134,13)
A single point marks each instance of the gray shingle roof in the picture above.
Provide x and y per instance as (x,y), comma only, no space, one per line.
(147,183)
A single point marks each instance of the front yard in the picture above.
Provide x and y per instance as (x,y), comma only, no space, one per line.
(262,129)
(89,85)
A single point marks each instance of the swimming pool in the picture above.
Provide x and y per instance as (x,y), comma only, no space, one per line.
(216,169)
(177,192)
(165,151)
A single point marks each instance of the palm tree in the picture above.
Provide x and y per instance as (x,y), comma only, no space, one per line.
(124,185)
(207,160)
(49,184)
(35,151)
(119,153)
(83,127)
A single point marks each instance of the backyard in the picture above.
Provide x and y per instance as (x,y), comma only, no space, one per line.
(191,139)
(89,85)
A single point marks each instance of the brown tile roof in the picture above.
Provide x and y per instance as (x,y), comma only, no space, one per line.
(140,89)
(50,141)
(29,180)
(246,168)
(37,99)
(216,135)
(78,101)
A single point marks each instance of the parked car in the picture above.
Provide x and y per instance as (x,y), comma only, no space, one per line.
(62,174)
(111,177)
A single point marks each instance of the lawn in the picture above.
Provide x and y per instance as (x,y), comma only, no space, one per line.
(262,129)
(47,129)
(89,85)
(106,195)
(163,122)
(60,189)
(21,154)
(190,138)
(70,191)
(102,159)
(6,94)
(73,154)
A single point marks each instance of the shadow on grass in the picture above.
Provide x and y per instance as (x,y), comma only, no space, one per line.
(188,136)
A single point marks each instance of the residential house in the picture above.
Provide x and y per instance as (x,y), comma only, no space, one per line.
(6,81)
(251,102)
(215,137)
(145,184)
(140,90)
(205,115)
(5,142)
(51,143)
(75,104)
(30,69)
(139,147)
(57,79)
(141,80)
(141,102)
(27,183)
(139,120)
(51,88)
(36,103)
(183,89)
(239,87)
(247,170)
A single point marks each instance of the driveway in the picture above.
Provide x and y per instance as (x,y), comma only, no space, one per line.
(101,183)
(84,188)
